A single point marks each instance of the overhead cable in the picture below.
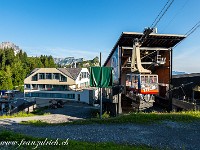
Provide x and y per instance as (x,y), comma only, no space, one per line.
(162,13)
(191,31)
(178,12)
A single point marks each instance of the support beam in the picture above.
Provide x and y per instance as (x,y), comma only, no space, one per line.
(147,48)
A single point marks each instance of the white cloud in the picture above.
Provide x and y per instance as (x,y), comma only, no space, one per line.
(60,52)
(188,60)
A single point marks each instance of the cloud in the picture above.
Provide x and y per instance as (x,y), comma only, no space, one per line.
(61,52)
(187,59)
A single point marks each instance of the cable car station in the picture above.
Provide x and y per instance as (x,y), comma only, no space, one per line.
(142,70)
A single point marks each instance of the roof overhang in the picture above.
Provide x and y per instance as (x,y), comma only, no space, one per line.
(153,40)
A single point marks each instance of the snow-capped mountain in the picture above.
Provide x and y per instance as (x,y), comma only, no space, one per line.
(4,45)
(67,60)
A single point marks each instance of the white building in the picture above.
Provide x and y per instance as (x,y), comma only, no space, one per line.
(59,83)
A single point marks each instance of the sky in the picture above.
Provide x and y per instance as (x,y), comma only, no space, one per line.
(84,28)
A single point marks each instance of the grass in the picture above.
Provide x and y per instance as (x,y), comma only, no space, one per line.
(36,112)
(140,118)
(69,144)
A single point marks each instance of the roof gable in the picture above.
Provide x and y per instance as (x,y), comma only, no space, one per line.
(74,72)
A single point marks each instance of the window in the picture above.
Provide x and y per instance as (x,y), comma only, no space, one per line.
(34,87)
(27,94)
(56,76)
(27,86)
(49,87)
(88,75)
(41,86)
(63,78)
(80,77)
(48,76)
(41,76)
(71,96)
(34,94)
(35,77)
(84,75)
(56,95)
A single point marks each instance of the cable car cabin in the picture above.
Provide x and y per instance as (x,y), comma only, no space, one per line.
(142,83)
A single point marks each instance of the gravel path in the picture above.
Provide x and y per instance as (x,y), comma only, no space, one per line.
(167,134)
(54,118)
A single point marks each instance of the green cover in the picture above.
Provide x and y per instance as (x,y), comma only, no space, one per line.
(101,77)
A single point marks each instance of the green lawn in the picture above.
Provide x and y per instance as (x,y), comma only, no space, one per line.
(69,144)
(140,118)
(36,112)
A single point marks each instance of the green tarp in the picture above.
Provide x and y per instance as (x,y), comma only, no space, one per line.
(101,77)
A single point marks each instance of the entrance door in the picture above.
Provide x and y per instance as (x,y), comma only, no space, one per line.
(79,97)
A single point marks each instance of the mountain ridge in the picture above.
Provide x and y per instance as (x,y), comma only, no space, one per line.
(11,45)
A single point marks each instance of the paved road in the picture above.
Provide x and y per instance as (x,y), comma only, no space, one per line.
(164,135)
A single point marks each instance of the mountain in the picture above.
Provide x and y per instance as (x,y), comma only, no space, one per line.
(11,45)
(178,72)
(67,61)
(76,63)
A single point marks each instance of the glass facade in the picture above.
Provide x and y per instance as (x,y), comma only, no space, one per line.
(50,95)
(56,76)
(49,76)
(41,76)
(47,87)
(35,77)
(63,79)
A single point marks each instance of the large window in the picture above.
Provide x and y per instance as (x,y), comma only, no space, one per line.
(27,86)
(48,76)
(50,95)
(63,78)
(35,77)
(34,87)
(71,96)
(41,86)
(56,76)
(49,86)
(41,76)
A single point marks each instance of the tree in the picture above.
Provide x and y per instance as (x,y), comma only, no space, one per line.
(7,80)
(3,61)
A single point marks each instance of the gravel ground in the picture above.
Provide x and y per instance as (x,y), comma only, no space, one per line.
(167,134)
(53,118)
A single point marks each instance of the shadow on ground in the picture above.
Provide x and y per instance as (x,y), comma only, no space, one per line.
(74,109)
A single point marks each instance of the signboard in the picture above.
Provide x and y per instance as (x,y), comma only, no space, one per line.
(101,77)
(115,65)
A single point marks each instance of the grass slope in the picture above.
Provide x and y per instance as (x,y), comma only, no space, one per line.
(141,118)
(67,145)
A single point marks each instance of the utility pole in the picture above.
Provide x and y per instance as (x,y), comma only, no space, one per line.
(100,94)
